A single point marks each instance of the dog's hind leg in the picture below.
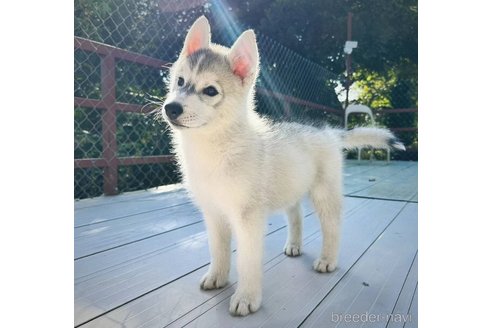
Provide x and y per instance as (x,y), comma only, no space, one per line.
(327,198)
(294,240)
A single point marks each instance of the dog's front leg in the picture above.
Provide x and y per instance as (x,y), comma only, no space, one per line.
(249,231)
(219,239)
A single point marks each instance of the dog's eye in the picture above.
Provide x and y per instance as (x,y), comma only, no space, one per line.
(181,81)
(210,91)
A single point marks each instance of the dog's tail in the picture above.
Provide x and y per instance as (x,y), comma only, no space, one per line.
(370,137)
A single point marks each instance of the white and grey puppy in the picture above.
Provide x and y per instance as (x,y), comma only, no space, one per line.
(239,167)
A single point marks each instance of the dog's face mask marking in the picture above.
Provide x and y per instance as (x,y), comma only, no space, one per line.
(199,92)
(209,81)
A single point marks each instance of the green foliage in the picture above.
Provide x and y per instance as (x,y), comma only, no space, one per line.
(375,89)
(387,33)
(396,88)
(141,135)
(137,177)
(137,84)
(88,183)
(87,130)
(87,81)
(118,22)
(317,29)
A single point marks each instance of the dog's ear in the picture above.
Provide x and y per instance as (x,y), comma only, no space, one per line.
(244,57)
(198,37)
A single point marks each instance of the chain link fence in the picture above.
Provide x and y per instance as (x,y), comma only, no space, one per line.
(122,51)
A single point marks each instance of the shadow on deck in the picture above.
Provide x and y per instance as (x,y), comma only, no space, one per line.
(139,258)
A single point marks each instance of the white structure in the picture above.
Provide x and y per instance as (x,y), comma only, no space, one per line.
(357,108)
(349,46)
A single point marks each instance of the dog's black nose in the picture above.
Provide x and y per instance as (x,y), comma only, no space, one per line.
(173,110)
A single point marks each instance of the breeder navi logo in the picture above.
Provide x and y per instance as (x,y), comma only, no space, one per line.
(370,317)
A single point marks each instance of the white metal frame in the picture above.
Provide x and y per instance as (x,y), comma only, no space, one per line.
(358,108)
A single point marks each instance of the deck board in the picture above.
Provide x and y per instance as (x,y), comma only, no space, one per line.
(401,186)
(373,285)
(166,191)
(115,210)
(356,181)
(140,256)
(413,311)
(406,296)
(105,235)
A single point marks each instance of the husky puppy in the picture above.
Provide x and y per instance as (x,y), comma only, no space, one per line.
(240,167)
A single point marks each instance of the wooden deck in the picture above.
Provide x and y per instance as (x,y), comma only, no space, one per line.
(139,257)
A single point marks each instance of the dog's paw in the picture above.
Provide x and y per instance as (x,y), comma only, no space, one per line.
(213,281)
(291,249)
(323,265)
(244,303)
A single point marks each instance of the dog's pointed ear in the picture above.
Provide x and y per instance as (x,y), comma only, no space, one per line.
(244,57)
(198,37)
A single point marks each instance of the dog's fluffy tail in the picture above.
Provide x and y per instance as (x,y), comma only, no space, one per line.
(370,137)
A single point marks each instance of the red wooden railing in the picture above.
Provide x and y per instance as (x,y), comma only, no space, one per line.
(108,104)
(110,161)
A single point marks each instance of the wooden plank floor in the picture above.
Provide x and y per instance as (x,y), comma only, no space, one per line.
(139,257)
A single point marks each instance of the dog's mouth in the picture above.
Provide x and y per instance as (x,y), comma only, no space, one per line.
(178,125)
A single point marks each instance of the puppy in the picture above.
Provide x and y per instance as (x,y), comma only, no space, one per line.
(240,167)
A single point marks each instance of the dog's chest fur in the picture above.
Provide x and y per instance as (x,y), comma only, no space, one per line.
(219,175)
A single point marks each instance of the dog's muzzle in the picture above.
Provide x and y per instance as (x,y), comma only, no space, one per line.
(173,110)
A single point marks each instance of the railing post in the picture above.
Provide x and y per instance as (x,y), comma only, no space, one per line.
(110,147)
(348,60)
